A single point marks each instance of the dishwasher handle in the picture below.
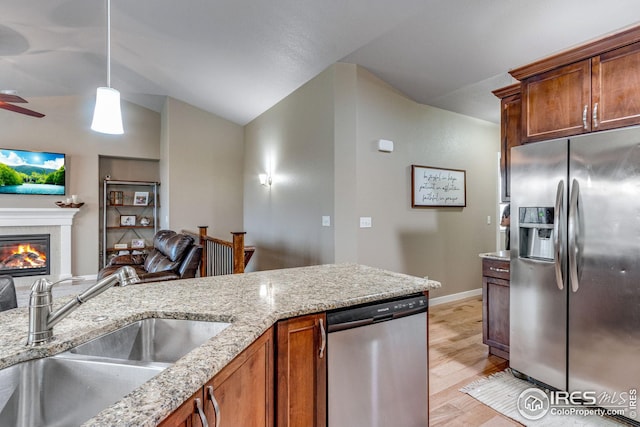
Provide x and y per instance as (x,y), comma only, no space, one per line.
(341,326)
(383,318)
(349,325)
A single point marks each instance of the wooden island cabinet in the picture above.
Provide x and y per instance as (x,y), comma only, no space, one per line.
(244,394)
(241,394)
(302,371)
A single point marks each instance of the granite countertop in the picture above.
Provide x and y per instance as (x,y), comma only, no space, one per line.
(253,302)
(500,255)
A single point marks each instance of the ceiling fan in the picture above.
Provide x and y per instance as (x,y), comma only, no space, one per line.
(9,97)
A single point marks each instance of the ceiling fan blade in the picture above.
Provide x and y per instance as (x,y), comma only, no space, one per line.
(6,97)
(21,110)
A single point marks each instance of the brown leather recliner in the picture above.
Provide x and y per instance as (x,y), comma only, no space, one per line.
(174,256)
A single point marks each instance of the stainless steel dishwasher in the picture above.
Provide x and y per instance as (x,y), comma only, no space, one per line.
(377,365)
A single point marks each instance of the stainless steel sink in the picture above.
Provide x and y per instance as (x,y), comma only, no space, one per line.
(74,386)
(153,340)
(56,391)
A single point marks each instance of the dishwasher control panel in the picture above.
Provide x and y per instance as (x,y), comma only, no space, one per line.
(376,312)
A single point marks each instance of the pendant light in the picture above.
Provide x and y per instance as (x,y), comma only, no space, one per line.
(107,116)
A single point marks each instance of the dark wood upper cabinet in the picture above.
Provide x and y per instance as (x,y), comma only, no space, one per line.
(557,103)
(590,88)
(510,132)
(616,88)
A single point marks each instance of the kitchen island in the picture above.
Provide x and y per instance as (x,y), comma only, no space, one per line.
(252,302)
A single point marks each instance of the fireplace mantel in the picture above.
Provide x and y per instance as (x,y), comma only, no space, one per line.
(60,218)
(29,217)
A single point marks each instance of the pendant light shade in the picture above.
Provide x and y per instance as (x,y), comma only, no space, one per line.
(107,116)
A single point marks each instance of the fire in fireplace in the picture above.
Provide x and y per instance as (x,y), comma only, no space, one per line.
(24,255)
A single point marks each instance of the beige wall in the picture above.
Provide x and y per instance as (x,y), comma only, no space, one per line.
(345,161)
(293,141)
(201,171)
(65,129)
(319,144)
(328,129)
(442,243)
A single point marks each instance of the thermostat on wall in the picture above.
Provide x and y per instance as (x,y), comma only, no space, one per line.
(385,145)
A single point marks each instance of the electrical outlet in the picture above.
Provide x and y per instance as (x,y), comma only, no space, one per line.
(365,222)
(326,221)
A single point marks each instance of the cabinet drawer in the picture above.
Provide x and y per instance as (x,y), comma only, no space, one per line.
(495,268)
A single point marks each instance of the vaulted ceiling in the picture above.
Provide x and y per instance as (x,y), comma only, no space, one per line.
(237,58)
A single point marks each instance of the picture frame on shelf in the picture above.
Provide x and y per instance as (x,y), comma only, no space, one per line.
(141,198)
(127,220)
(137,243)
(116,198)
(120,246)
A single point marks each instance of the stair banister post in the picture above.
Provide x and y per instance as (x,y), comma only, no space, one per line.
(238,251)
(205,255)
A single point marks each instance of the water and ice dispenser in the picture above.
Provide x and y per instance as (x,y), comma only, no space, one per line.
(536,233)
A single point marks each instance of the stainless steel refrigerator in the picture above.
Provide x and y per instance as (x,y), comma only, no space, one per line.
(575,263)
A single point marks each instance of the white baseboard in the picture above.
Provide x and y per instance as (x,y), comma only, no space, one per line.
(455,297)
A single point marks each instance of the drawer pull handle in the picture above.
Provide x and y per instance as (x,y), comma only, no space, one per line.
(203,418)
(214,402)
(323,339)
(499,270)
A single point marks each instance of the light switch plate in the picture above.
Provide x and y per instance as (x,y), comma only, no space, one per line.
(326,221)
(365,222)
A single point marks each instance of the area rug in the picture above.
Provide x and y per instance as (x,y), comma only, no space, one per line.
(502,390)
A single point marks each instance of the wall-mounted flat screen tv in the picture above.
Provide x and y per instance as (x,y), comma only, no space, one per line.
(31,172)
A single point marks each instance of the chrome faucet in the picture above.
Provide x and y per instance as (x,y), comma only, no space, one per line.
(42,320)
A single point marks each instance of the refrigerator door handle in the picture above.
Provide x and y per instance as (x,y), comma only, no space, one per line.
(557,243)
(573,235)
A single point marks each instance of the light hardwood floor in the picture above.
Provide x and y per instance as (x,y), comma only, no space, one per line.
(457,357)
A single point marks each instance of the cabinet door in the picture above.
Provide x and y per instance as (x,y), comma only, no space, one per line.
(188,414)
(557,103)
(242,393)
(616,88)
(511,125)
(495,315)
(302,372)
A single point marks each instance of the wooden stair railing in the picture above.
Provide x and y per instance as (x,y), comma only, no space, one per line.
(222,257)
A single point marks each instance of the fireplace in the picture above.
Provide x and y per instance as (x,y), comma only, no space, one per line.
(24,254)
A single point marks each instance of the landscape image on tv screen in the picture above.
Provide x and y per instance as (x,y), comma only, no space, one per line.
(31,172)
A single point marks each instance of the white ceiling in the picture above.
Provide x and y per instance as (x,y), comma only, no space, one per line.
(237,58)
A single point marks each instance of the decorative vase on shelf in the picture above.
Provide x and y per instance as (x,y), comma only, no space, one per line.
(144,221)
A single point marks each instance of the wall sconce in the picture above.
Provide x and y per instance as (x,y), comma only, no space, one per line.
(265,179)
